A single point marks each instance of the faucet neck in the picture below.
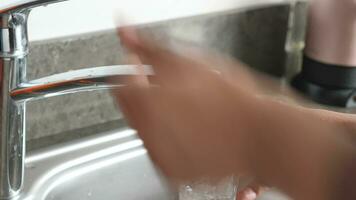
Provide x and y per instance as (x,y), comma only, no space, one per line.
(13,34)
(13,62)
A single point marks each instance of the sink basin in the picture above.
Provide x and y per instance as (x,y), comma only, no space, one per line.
(108,166)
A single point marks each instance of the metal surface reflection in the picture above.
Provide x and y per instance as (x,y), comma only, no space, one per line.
(112,165)
(19,5)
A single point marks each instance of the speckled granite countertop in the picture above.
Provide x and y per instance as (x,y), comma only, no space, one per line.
(256,37)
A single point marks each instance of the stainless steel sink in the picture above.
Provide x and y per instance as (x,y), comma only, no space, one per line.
(109,166)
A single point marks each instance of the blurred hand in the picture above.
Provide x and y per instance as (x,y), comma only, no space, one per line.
(193,70)
(190,114)
(196,122)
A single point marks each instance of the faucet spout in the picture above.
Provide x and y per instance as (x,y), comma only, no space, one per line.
(90,79)
(18,5)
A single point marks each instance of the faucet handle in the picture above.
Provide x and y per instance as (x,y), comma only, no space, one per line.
(8,6)
(13,25)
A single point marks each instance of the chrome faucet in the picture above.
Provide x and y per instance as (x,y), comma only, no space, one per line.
(16,90)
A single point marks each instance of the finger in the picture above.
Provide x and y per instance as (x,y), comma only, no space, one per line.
(133,43)
(247,194)
(258,189)
(129,38)
(168,66)
(132,97)
(133,59)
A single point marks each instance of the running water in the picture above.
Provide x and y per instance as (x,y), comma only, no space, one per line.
(225,189)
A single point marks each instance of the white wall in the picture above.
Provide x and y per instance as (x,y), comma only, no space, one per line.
(83,16)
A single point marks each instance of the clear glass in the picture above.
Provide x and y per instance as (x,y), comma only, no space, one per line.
(204,189)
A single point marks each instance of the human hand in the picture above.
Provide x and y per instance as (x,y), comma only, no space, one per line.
(196,122)
(192,122)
